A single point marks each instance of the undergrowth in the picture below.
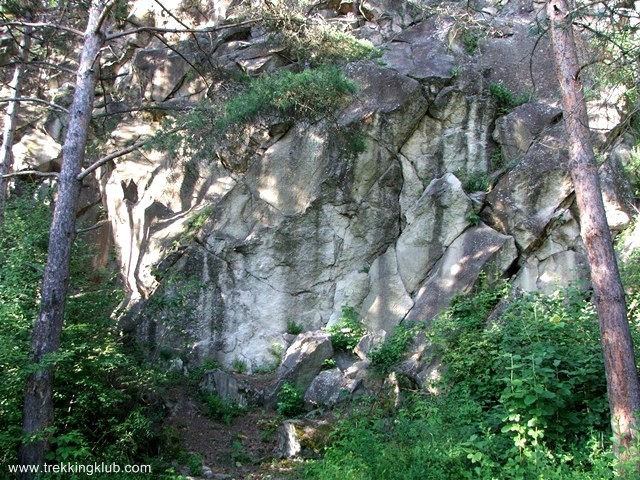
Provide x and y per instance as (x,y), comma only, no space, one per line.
(101,414)
(522,395)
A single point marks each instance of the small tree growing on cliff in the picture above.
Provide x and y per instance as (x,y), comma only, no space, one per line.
(608,294)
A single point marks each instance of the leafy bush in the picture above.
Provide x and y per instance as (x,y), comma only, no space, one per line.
(475,181)
(222,410)
(309,94)
(391,352)
(523,396)
(293,327)
(347,332)
(290,400)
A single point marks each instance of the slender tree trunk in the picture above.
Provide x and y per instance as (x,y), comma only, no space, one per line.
(619,359)
(38,403)
(11,116)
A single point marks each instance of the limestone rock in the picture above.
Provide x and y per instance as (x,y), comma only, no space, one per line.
(437,218)
(37,151)
(303,437)
(229,388)
(518,130)
(530,195)
(479,248)
(302,362)
(329,388)
(388,301)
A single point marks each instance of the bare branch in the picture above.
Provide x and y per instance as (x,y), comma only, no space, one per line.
(104,13)
(181,30)
(42,25)
(98,163)
(148,108)
(92,227)
(34,100)
(34,173)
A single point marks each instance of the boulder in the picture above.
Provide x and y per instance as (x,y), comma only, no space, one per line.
(229,388)
(303,437)
(529,196)
(329,388)
(302,362)
(519,129)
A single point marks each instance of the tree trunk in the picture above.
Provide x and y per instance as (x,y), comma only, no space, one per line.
(619,359)
(11,116)
(38,403)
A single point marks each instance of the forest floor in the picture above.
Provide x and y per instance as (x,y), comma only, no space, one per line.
(241,448)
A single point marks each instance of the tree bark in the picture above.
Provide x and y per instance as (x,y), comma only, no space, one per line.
(38,403)
(608,294)
(11,118)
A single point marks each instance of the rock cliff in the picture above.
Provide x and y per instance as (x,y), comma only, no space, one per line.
(462,170)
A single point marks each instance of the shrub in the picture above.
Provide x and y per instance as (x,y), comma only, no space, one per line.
(523,396)
(391,352)
(475,181)
(312,39)
(310,94)
(293,327)
(290,400)
(221,410)
(347,332)
(505,99)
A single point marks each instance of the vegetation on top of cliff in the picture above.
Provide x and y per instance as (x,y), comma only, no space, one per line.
(312,38)
(309,96)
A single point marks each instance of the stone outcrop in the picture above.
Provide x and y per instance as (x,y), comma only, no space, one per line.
(220,251)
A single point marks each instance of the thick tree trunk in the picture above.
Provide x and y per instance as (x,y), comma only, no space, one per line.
(620,365)
(38,404)
(11,117)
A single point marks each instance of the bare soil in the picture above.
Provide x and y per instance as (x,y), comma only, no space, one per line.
(242,448)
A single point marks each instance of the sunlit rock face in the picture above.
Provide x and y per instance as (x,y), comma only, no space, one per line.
(222,252)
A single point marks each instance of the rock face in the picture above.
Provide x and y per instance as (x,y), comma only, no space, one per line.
(222,251)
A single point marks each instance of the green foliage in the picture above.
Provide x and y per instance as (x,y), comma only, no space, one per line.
(475,181)
(98,388)
(277,351)
(196,221)
(293,327)
(309,94)
(290,401)
(470,40)
(347,332)
(193,461)
(391,352)
(221,410)
(521,397)
(238,365)
(311,39)
(505,99)
(632,170)
(473,218)
(497,160)
(354,142)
